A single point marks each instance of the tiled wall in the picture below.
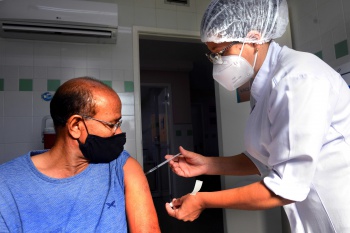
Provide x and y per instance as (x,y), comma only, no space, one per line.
(322,27)
(29,69)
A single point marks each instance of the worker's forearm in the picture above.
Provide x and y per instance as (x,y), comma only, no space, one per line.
(255,196)
(238,165)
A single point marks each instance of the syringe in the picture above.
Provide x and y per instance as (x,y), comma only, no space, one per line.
(161,164)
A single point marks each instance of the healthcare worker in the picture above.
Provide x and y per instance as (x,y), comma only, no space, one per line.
(298,133)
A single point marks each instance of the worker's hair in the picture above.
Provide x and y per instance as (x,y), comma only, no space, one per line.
(74,97)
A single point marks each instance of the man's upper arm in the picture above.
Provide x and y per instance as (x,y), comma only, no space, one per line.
(141,214)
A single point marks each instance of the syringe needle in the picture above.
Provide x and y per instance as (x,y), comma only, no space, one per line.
(161,164)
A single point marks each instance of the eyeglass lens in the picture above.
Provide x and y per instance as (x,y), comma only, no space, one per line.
(215,58)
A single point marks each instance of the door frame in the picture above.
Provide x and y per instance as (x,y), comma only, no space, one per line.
(159,33)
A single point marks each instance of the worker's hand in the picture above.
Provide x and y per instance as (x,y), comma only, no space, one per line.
(186,208)
(188,164)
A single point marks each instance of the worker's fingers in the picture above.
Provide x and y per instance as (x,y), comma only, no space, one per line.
(170,210)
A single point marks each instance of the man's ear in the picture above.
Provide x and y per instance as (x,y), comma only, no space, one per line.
(75,126)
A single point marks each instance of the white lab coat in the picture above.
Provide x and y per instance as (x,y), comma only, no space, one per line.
(299,129)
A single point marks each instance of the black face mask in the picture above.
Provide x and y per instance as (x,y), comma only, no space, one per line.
(102,150)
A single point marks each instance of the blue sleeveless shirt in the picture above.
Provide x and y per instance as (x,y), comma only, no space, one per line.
(92,201)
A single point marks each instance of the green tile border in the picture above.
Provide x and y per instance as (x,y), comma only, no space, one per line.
(107,82)
(319,54)
(178,133)
(53,84)
(1,84)
(128,86)
(341,49)
(26,85)
(189,132)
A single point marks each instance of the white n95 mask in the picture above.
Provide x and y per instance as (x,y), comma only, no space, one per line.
(234,71)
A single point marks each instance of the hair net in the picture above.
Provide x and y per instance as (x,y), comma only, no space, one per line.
(241,20)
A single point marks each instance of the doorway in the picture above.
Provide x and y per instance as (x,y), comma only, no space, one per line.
(177,108)
(156,110)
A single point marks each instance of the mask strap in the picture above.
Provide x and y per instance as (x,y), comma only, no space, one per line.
(86,127)
(256,56)
(240,53)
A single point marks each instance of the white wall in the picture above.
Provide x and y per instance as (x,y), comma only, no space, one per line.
(322,26)
(21,112)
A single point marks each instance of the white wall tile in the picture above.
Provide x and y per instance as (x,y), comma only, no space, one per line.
(18,103)
(166,19)
(128,110)
(1,105)
(301,8)
(118,86)
(10,72)
(307,29)
(14,150)
(54,73)
(3,157)
(68,73)
(129,3)
(145,16)
(13,132)
(26,72)
(11,84)
(145,3)
(127,98)
(40,72)
(339,33)
(122,59)
(188,8)
(38,129)
(130,146)
(187,21)
(19,53)
(74,55)
(327,47)
(99,56)
(40,106)
(304,47)
(47,54)
(129,75)
(126,15)
(105,74)
(2,51)
(160,4)
(128,126)
(118,74)
(201,6)
(2,135)
(320,3)
(315,45)
(95,73)
(331,16)
(80,72)
(39,85)
(346,9)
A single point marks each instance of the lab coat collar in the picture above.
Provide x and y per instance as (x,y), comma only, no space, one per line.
(264,74)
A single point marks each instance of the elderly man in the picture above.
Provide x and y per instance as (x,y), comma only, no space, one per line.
(87,182)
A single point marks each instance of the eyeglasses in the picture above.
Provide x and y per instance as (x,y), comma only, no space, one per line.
(215,58)
(113,127)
